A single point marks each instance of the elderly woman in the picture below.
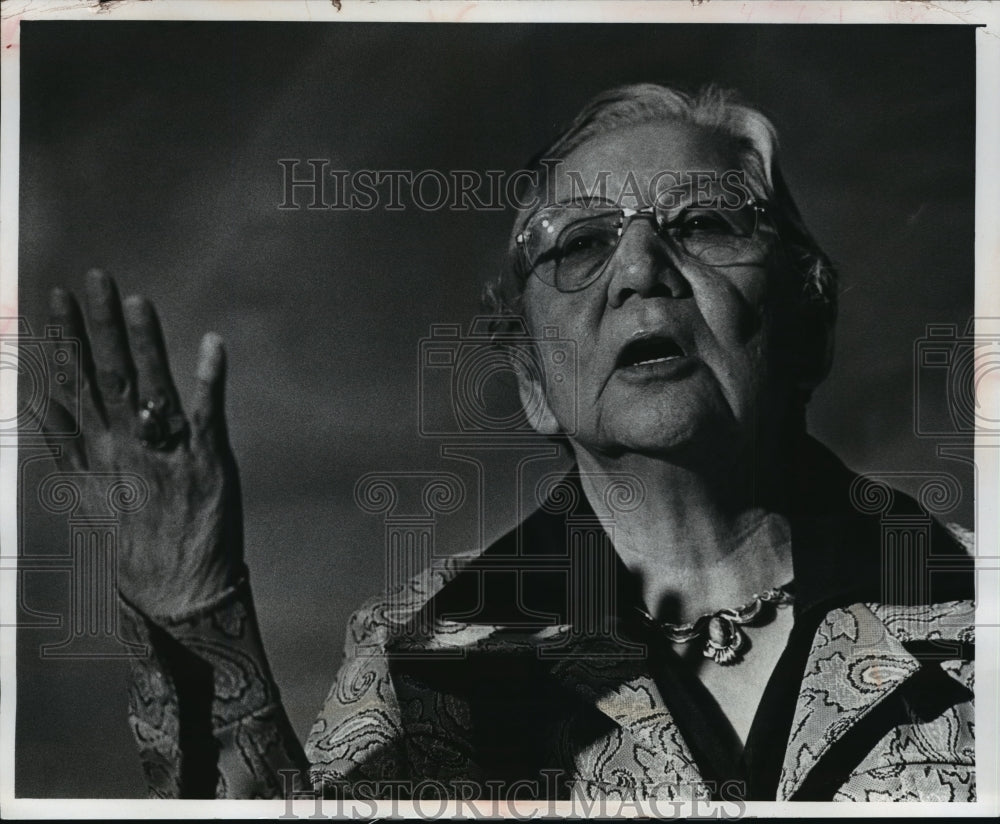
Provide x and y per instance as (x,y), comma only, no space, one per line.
(742,647)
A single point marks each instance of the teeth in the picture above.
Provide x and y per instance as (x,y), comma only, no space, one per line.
(649,351)
(657,360)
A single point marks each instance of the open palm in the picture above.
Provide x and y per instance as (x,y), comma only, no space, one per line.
(184,545)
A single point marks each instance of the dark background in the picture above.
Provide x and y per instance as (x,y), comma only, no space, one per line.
(151,150)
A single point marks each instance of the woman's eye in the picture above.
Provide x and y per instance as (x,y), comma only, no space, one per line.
(705,223)
(692,223)
(583,243)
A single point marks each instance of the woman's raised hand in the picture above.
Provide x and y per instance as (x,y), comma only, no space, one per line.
(185,544)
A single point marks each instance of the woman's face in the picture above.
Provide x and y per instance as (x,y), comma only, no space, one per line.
(671,353)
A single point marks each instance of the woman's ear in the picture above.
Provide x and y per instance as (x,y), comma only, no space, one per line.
(533,403)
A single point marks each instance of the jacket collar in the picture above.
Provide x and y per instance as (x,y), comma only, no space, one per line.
(858,660)
(644,752)
(517,598)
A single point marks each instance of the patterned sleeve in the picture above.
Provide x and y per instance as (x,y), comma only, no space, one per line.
(204,707)
(358,734)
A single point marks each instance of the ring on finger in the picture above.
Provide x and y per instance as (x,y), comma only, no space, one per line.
(156,430)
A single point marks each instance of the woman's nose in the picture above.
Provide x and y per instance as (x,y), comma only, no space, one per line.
(643,265)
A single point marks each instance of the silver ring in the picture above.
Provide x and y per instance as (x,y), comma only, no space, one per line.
(154,430)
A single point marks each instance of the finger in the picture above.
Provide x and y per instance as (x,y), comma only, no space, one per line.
(154,382)
(65,313)
(208,417)
(114,370)
(63,438)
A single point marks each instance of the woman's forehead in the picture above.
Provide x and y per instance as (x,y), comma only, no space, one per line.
(622,164)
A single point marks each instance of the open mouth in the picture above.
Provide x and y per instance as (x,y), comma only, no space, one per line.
(649,351)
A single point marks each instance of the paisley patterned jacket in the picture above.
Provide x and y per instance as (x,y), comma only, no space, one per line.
(454,679)
(515,670)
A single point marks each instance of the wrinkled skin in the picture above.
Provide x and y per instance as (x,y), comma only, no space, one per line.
(185,545)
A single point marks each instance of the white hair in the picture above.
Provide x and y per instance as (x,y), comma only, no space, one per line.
(712,108)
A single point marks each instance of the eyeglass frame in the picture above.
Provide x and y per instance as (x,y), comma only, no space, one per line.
(627,215)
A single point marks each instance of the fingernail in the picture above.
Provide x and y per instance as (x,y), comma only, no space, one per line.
(99,285)
(96,278)
(137,308)
(211,357)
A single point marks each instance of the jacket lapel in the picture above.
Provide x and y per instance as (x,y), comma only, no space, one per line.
(643,753)
(528,578)
(509,606)
(856,662)
(640,752)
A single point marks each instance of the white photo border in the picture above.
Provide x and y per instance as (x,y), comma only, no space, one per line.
(985,15)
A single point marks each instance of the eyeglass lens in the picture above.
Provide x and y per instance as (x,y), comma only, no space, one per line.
(568,247)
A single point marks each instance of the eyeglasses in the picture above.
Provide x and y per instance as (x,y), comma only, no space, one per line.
(569,246)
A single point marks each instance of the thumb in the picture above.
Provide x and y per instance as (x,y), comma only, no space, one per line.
(208,418)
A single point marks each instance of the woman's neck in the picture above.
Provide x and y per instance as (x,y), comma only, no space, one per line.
(698,541)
